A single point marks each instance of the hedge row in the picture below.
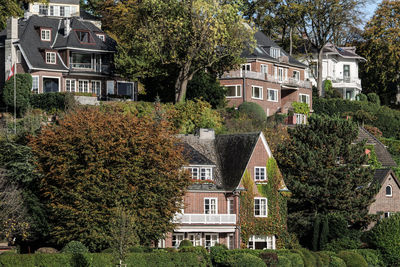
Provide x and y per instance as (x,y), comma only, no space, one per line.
(384,118)
(101,260)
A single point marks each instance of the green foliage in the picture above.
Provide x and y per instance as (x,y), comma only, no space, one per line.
(9,9)
(245,259)
(23,92)
(236,121)
(82,260)
(49,102)
(374,98)
(324,258)
(301,108)
(75,247)
(326,185)
(372,257)
(324,232)
(186,243)
(219,255)
(283,261)
(373,158)
(362,97)
(200,251)
(296,259)
(342,243)
(308,257)
(205,86)
(253,110)
(269,258)
(316,230)
(385,236)
(337,262)
(352,259)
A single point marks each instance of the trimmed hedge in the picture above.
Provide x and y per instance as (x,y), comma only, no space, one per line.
(48,101)
(296,258)
(253,110)
(372,257)
(336,262)
(246,260)
(283,261)
(75,247)
(352,259)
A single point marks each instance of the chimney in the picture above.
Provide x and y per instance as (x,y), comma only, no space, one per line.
(12,28)
(9,49)
(67,27)
(206,134)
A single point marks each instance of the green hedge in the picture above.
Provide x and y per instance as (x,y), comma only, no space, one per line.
(352,259)
(372,257)
(48,101)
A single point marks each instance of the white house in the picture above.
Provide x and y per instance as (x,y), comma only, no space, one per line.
(340,65)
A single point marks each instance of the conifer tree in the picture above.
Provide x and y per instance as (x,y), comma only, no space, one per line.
(326,173)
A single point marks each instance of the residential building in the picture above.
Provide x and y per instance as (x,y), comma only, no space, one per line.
(270,77)
(340,65)
(211,210)
(63,49)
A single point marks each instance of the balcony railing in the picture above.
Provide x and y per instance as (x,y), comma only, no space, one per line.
(347,80)
(90,67)
(266,77)
(205,218)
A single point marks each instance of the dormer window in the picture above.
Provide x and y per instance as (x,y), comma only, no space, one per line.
(101,36)
(200,173)
(275,52)
(51,57)
(84,36)
(43,10)
(45,35)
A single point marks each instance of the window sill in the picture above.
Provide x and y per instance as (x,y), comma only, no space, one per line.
(256,98)
(261,182)
(259,216)
(275,101)
(234,97)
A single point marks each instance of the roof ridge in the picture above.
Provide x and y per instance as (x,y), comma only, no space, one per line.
(373,137)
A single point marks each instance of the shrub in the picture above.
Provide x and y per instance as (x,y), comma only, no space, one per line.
(140,249)
(201,252)
(185,243)
(49,102)
(352,259)
(374,98)
(245,260)
(283,261)
(362,97)
(75,247)
(373,130)
(336,262)
(108,250)
(219,255)
(253,110)
(295,258)
(342,244)
(372,257)
(23,92)
(324,257)
(82,260)
(308,258)
(269,258)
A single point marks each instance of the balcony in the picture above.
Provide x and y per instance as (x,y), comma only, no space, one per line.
(89,67)
(345,82)
(205,218)
(265,77)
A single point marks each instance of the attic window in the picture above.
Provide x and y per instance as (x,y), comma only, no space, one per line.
(51,57)
(45,35)
(101,36)
(275,52)
(260,174)
(84,36)
(388,191)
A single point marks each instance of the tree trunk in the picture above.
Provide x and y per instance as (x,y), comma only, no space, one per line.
(290,41)
(182,82)
(319,78)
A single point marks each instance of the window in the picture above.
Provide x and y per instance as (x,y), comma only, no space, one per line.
(51,57)
(18,56)
(260,174)
(65,11)
(194,172)
(261,242)
(62,11)
(83,37)
(264,68)
(43,10)
(80,61)
(83,86)
(231,208)
(246,67)
(96,87)
(280,74)
(211,240)
(210,206)
(387,214)
(273,95)
(304,99)
(35,84)
(256,92)
(176,240)
(389,191)
(70,85)
(205,174)
(45,35)
(275,52)
(101,37)
(195,239)
(234,91)
(296,75)
(346,72)
(231,241)
(55,11)
(260,207)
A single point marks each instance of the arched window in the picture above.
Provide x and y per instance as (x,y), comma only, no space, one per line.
(388,191)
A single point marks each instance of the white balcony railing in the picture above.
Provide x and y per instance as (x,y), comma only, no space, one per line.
(346,80)
(205,218)
(266,77)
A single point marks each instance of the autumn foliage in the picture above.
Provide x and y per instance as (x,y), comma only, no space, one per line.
(94,161)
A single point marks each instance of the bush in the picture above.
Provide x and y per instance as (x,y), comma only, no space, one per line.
(308,258)
(342,244)
(324,257)
(253,110)
(362,97)
(75,247)
(283,261)
(336,262)
(108,250)
(82,260)
(23,92)
(140,249)
(269,258)
(185,243)
(352,259)
(245,260)
(219,255)
(201,252)
(374,98)
(52,102)
(295,258)
(372,257)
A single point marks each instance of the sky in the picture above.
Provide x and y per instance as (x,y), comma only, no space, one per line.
(370,9)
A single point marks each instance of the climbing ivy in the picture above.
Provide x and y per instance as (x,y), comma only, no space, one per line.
(301,108)
(275,223)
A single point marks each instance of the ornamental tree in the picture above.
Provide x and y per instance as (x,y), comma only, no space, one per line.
(94,162)
(326,173)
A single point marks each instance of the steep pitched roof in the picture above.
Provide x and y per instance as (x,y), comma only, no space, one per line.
(382,153)
(264,43)
(194,157)
(381,174)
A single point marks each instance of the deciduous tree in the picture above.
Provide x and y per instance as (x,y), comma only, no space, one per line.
(93,160)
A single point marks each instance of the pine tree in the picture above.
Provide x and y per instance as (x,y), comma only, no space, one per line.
(326,173)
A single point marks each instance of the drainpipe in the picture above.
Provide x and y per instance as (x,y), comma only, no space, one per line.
(244,85)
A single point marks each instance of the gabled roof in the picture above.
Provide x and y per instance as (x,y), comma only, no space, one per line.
(381,175)
(262,50)
(381,152)
(345,52)
(194,157)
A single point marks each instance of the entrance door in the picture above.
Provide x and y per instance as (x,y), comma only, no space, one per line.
(50,85)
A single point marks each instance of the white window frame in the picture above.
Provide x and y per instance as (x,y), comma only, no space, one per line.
(83,87)
(276,94)
(231,238)
(258,178)
(296,77)
(264,68)
(194,172)
(230,203)
(35,77)
(275,52)
(212,240)
(280,74)
(211,210)
(391,191)
(177,240)
(52,77)
(270,240)
(262,214)
(49,58)
(69,82)
(387,214)
(245,67)
(94,90)
(205,173)
(238,89)
(101,36)
(44,7)
(45,35)
(307,98)
(253,90)
(195,238)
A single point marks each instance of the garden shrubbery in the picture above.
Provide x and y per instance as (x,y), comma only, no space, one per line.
(75,247)
(352,259)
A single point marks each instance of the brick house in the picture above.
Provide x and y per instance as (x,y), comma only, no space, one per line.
(211,209)
(63,49)
(270,77)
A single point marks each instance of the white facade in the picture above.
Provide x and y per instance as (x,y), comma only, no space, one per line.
(340,65)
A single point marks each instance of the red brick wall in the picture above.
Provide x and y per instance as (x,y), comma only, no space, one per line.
(194,202)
